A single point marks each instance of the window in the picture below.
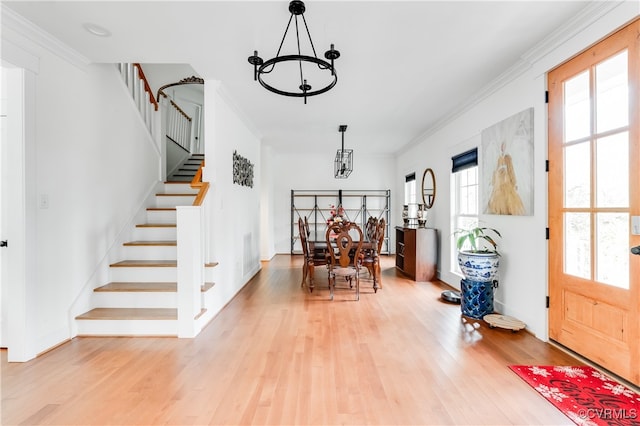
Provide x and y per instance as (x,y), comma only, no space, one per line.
(410,194)
(464,197)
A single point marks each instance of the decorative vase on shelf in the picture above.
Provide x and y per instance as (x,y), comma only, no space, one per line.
(422,215)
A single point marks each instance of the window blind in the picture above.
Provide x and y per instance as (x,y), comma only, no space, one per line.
(465,160)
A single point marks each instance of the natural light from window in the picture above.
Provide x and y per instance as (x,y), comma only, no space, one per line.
(465,206)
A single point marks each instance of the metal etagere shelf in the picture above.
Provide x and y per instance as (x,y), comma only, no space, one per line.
(358,207)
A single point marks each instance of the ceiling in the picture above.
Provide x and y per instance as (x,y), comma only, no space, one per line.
(405,66)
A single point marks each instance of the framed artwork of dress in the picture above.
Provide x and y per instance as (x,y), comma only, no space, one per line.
(507,166)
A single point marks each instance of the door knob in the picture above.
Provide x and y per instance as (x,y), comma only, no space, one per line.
(635,250)
(4,243)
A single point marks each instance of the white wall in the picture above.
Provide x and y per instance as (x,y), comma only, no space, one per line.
(267,206)
(93,152)
(234,223)
(523,277)
(304,171)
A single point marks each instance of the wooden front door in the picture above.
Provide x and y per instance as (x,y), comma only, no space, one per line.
(594,203)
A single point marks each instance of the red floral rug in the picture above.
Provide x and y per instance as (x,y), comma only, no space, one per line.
(583,394)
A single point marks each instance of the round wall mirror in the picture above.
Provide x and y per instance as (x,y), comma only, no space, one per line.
(428,188)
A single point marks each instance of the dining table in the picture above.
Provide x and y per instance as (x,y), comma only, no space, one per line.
(318,242)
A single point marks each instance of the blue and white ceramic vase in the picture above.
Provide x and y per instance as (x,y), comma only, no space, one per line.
(480,267)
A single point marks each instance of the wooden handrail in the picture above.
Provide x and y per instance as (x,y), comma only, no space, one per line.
(196,182)
(175,105)
(189,80)
(204,187)
(147,88)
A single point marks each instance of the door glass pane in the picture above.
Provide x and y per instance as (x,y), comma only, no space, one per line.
(612,94)
(577,186)
(612,186)
(576,107)
(612,236)
(577,244)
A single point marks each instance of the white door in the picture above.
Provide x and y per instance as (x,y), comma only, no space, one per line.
(13,303)
(4,135)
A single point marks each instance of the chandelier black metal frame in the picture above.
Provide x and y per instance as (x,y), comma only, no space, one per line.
(343,164)
(262,67)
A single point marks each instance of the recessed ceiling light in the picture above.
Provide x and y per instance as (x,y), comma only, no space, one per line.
(96,29)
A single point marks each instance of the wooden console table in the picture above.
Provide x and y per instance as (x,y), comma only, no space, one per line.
(417,252)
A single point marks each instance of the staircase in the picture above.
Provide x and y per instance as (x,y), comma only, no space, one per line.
(187,170)
(141,298)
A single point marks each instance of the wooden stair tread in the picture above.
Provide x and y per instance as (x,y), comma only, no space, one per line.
(150,243)
(178,181)
(147,287)
(145,263)
(165,287)
(156,225)
(175,194)
(130,314)
(161,209)
(211,264)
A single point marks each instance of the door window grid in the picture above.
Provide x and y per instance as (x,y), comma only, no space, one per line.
(596,192)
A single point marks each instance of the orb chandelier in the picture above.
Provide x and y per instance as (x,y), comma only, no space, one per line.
(343,164)
(263,67)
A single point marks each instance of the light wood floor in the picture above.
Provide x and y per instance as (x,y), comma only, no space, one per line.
(279,355)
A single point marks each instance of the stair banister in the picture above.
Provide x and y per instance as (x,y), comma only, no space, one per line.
(139,88)
(190,267)
(203,187)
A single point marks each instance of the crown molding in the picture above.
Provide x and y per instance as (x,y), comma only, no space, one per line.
(17,23)
(583,19)
(586,17)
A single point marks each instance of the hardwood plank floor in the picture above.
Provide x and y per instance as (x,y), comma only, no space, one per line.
(279,355)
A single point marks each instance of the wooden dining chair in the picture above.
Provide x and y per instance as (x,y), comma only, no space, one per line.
(312,258)
(371,252)
(345,254)
(319,248)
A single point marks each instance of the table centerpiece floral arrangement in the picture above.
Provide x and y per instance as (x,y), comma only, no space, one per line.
(336,215)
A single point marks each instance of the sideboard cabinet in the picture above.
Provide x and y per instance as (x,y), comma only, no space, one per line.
(417,252)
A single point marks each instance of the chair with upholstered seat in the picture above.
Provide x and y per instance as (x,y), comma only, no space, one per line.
(345,255)
(371,253)
(312,258)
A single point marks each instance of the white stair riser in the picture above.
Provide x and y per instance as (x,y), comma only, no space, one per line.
(179,188)
(154,234)
(145,274)
(127,327)
(150,252)
(208,275)
(171,201)
(128,299)
(161,216)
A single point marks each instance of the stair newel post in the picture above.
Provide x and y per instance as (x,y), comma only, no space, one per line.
(190,267)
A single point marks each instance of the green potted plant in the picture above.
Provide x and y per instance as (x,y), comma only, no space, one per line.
(478,259)
(478,255)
